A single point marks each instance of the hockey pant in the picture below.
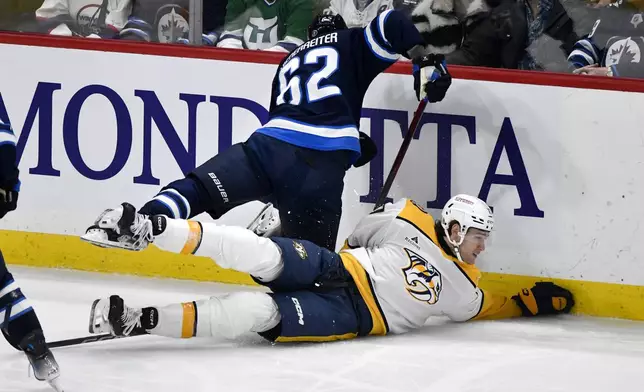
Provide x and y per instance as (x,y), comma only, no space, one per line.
(305,185)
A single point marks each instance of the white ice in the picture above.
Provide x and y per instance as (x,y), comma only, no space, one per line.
(563,354)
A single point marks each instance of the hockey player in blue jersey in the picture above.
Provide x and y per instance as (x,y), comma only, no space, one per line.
(298,159)
(18,321)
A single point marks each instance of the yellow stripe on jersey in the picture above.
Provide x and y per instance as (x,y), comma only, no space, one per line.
(194,238)
(361,280)
(424,222)
(330,338)
(189,319)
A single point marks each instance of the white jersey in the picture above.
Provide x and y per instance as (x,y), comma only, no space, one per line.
(359,16)
(409,276)
(85,12)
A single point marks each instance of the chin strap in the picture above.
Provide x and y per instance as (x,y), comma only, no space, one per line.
(454,245)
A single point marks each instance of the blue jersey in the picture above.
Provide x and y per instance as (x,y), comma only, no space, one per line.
(319,88)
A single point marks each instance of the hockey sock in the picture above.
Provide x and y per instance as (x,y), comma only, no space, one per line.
(180,199)
(229,246)
(228,315)
(17,317)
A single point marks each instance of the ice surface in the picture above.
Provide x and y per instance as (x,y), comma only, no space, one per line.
(539,355)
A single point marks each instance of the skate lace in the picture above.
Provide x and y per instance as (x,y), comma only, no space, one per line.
(141,230)
(130,320)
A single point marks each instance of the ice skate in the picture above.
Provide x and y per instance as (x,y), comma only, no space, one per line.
(111,315)
(42,360)
(267,223)
(122,228)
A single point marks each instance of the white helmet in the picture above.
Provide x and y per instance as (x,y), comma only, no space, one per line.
(468,211)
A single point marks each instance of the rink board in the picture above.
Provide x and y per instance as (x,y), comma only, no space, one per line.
(59,251)
(559,158)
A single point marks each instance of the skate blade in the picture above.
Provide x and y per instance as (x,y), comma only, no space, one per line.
(259,217)
(55,384)
(104,243)
(93,327)
(255,222)
(92,315)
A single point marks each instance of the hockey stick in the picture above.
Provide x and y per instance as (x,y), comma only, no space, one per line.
(88,339)
(401,154)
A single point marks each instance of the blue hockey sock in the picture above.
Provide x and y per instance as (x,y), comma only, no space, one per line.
(17,317)
(180,199)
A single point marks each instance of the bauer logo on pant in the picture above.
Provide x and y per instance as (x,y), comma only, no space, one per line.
(424,282)
(299,248)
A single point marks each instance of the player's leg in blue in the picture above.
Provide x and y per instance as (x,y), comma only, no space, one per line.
(227,180)
(21,327)
(310,196)
(305,266)
(316,296)
(318,316)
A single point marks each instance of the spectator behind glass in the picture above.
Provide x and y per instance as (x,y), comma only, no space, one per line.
(275,25)
(168,21)
(614,46)
(358,13)
(441,23)
(83,18)
(501,39)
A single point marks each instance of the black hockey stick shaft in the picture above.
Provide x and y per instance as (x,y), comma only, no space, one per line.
(88,339)
(401,154)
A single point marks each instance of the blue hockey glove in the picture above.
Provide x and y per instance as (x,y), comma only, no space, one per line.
(9,183)
(584,52)
(8,200)
(431,78)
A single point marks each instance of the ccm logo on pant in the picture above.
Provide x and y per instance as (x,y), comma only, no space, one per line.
(298,309)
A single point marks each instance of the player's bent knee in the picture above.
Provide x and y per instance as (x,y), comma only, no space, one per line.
(231,315)
(242,250)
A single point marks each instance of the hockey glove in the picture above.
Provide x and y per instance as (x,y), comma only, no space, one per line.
(368,150)
(8,200)
(584,52)
(9,183)
(544,298)
(431,78)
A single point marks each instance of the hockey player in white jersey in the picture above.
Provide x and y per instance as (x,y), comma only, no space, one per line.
(398,268)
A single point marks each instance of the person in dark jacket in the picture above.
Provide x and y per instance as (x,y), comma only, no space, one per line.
(500,38)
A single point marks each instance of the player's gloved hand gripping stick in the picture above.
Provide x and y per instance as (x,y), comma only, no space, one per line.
(431,81)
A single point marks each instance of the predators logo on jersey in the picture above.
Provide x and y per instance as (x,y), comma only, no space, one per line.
(424,282)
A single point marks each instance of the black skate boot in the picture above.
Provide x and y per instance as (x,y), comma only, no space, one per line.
(111,315)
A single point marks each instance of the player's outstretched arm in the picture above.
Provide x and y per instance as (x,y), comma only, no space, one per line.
(544,298)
